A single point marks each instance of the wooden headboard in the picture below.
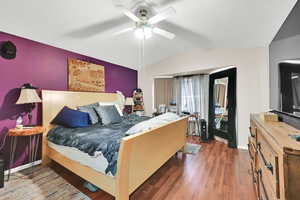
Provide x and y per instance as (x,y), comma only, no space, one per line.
(54,101)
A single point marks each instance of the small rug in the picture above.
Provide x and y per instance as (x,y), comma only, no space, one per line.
(44,184)
(192,148)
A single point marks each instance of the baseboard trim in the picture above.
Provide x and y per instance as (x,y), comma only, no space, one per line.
(16,169)
(243,147)
(221,139)
(226,142)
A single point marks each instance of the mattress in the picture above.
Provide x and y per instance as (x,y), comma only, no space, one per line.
(97,162)
(96,138)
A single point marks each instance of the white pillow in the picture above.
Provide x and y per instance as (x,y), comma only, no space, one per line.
(112,103)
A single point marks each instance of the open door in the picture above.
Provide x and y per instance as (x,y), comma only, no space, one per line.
(222,106)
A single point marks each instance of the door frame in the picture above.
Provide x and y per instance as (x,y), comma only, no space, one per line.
(231,136)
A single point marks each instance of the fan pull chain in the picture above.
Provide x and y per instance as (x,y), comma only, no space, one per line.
(142,53)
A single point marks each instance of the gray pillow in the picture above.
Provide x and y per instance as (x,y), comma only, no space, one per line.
(91,111)
(108,114)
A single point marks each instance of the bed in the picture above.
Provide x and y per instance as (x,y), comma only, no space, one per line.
(139,156)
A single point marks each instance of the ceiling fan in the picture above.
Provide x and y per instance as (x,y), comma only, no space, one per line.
(145,22)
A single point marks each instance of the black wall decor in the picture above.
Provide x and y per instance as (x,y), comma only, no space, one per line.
(8,50)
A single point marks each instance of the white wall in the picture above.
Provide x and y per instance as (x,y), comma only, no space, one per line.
(252,78)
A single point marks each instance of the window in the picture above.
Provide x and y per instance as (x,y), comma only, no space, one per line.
(190,95)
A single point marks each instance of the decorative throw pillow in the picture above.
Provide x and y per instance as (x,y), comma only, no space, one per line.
(112,103)
(91,111)
(71,118)
(108,114)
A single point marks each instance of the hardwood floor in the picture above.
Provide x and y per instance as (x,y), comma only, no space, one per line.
(215,173)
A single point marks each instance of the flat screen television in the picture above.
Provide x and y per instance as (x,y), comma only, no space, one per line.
(289,72)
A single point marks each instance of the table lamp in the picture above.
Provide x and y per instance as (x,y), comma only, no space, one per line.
(29,96)
(129,102)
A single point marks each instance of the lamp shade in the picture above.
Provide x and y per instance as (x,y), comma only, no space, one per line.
(129,101)
(28,95)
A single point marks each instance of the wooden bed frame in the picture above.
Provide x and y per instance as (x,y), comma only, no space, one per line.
(140,155)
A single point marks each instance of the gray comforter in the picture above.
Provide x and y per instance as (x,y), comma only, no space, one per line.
(97,137)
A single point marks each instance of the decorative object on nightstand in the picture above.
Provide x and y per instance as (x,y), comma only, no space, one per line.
(129,104)
(19,122)
(33,134)
(138,100)
(29,96)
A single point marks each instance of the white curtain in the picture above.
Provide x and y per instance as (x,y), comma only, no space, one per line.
(177,94)
(192,94)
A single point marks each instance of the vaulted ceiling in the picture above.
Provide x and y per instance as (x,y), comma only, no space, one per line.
(86,26)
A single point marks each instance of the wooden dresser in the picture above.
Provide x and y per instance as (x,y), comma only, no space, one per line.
(275,160)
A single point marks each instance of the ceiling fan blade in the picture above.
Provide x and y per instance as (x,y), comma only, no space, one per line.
(131,15)
(124,31)
(162,16)
(168,2)
(117,3)
(99,28)
(164,33)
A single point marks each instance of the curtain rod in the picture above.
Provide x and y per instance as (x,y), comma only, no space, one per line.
(189,75)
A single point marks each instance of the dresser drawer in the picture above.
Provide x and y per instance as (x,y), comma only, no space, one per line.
(268,165)
(266,191)
(262,192)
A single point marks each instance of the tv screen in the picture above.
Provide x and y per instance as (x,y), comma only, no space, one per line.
(290,87)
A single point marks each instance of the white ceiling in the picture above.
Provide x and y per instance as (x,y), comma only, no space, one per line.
(197,24)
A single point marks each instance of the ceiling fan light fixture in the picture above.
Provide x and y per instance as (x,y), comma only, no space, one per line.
(143,33)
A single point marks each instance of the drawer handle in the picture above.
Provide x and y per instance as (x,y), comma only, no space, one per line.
(269,166)
(252,135)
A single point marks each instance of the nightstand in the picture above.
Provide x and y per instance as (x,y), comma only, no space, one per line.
(34,139)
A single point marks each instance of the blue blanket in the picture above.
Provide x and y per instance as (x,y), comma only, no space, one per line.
(97,137)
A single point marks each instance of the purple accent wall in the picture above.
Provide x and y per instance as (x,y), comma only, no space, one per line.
(46,68)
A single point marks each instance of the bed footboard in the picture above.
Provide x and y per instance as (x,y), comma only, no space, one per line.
(142,154)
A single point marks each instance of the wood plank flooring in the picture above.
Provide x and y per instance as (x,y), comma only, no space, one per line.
(215,173)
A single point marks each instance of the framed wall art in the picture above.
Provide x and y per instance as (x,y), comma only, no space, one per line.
(85,77)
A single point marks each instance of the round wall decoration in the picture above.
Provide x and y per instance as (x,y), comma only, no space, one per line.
(8,50)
